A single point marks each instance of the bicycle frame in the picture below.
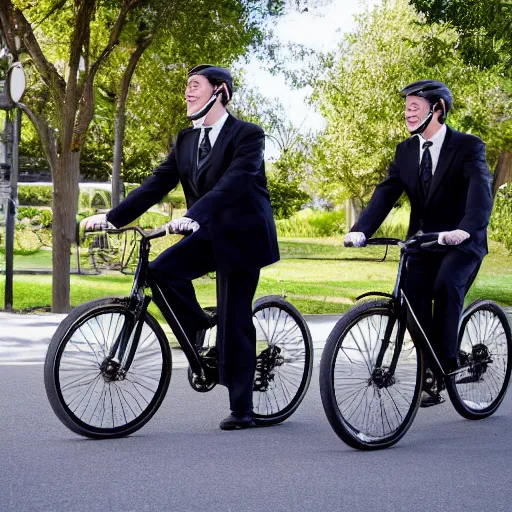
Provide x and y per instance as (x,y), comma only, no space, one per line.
(402,307)
(137,306)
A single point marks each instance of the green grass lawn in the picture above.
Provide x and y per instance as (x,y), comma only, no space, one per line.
(316,275)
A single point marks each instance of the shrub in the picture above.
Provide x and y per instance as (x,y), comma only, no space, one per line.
(152,220)
(311,224)
(396,223)
(500,225)
(175,198)
(286,196)
(26,241)
(36,218)
(35,195)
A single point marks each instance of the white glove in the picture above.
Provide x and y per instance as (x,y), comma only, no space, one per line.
(182,225)
(96,222)
(455,237)
(354,239)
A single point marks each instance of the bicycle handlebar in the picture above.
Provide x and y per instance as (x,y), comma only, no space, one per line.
(147,235)
(422,240)
(384,241)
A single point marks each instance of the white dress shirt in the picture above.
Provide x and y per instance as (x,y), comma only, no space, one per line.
(215,128)
(437,143)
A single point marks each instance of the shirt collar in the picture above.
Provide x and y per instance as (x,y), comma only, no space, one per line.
(438,138)
(199,123)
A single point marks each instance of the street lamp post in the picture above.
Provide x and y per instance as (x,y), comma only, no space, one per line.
(12,87)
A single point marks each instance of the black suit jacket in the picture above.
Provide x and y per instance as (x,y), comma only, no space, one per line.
(459,196)
(227,194)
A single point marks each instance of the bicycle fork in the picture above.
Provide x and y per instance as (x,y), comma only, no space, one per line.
(117,363)
(384,376)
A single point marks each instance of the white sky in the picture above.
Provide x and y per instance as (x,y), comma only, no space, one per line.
(320,28)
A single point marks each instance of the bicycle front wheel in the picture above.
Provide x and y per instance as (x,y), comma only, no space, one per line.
(284,360)
(370,389)
(485,351)
(98,400)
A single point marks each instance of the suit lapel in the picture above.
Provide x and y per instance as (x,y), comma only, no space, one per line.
(443,165)
(188,152)
(411,157)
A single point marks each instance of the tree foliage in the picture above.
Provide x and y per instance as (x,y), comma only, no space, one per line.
(484,27)
(68,47)
(360,96)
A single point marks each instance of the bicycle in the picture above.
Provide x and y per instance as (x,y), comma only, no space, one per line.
(109,363)
(372,373)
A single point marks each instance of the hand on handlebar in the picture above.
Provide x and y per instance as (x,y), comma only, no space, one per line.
(97,222)
(455,237)
(354,239)
(182,225)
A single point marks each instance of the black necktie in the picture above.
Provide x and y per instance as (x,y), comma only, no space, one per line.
(205,147)
(426,167)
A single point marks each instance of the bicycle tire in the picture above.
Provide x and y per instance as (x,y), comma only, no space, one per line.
(485,342)
(284,360)
(76,387)
(347,369)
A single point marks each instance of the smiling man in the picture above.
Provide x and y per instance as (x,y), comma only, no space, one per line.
(219,162)
(445,176)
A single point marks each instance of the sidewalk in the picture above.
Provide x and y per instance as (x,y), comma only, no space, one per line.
(24,339)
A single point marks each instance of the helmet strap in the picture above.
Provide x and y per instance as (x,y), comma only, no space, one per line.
(423,126)
(207,107)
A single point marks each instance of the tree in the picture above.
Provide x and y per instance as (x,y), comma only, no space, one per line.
(67,44)
(168,34)
(484,28)
(485,40)
(70,89)
(360,96)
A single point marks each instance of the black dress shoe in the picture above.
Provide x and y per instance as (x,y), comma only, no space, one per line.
(430,398)
(233,422)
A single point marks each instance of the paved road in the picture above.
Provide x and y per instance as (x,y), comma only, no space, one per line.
(180,461)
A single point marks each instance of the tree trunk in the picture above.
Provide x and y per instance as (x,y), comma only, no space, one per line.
(65,204)
(120,116)
(119,127)
(503,171)
(352,212)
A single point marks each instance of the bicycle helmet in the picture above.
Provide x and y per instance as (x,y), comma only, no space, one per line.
(218,77)
(437,94)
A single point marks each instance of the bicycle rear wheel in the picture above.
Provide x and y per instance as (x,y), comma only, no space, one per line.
(485,350)
(284,360)
(370,405)
(97,400)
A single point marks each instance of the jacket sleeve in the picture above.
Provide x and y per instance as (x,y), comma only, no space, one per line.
(164,178)
(384,198)
(479,198)
(243,170)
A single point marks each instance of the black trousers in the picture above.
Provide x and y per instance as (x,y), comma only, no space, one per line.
(445,279)
(174,271)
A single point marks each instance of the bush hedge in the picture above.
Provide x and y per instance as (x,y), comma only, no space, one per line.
(500,226)
(312,224)
(35,195)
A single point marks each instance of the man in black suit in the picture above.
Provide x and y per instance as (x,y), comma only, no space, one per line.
(219,162)
(446,178)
